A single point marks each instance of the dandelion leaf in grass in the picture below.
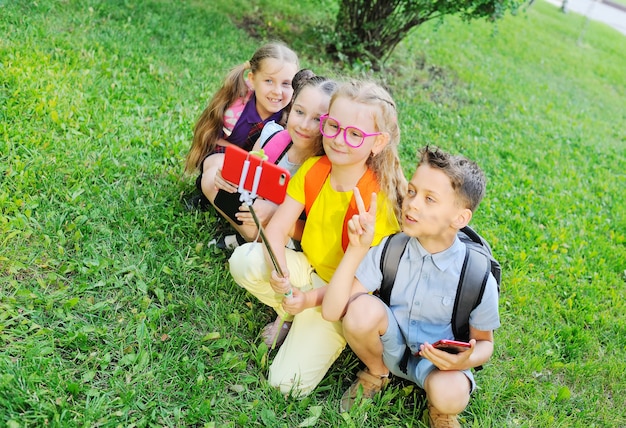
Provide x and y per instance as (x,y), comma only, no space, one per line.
(311,421)
(214,335)
(237,388)
(260,356)
(407,390)
(269,418)
(564,394)
(160,294)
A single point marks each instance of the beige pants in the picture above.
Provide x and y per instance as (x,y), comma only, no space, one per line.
(313,344)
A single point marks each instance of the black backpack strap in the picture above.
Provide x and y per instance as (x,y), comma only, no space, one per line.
(389,260)
(392,251)
(283,153)
(469,292)
(473,235)
(404,361)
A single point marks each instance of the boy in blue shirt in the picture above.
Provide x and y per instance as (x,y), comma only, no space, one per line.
(442,196)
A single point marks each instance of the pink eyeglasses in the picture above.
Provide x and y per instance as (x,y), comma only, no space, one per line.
(353,136)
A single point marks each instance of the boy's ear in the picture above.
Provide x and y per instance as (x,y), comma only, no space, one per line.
(381,142)
(462,219)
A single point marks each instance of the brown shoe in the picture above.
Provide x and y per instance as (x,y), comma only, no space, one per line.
(368,384)
(274,333)
(436,419)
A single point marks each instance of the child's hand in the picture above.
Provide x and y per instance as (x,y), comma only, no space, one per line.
(263,210)
(446,361)
(221,183)
(280,285)
(296,303)
(361,225)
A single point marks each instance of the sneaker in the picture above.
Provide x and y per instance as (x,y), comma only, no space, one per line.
(228,242)
(436,419)
(367,383)
(197,201)
(274,333)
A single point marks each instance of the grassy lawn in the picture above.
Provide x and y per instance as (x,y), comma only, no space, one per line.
(113,310)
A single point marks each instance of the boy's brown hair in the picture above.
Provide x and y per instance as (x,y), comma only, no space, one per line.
(466,177)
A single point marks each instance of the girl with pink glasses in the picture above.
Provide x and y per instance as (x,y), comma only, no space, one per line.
(360,138)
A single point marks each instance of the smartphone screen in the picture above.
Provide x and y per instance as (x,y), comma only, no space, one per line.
(228,203)
(451,346)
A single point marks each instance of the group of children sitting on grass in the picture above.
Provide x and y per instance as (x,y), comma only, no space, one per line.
(346,195)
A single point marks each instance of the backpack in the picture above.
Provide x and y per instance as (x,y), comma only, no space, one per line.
(477,265)
(314,180)
(277,145)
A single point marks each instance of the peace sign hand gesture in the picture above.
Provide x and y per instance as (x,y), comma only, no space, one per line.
(361,225)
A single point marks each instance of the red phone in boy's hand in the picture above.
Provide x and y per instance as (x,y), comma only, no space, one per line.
(451,346)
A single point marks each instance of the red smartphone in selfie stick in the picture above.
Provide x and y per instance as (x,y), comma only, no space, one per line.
(451,346)
(255,175)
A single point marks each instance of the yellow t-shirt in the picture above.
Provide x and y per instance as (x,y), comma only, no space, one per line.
(322,234)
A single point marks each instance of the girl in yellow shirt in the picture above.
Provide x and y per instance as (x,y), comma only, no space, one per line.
(360,138)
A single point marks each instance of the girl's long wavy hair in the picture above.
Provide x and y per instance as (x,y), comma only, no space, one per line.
(386,164)
(208,128)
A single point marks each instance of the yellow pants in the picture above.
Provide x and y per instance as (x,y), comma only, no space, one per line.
(313,344)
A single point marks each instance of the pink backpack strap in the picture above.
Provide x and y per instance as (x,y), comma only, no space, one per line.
(233,113)
(276,145)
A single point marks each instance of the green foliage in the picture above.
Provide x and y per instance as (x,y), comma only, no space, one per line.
(113,310)
(368,31)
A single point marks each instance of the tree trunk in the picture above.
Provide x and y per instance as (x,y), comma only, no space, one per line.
(370,30)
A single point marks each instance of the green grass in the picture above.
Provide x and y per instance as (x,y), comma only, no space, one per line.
(115,313)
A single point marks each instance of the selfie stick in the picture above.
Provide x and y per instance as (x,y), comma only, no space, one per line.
(289,293)
(248,199)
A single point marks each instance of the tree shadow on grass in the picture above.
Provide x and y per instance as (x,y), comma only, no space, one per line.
(304,37)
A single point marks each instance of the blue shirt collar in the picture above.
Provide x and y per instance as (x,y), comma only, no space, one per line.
(442,259)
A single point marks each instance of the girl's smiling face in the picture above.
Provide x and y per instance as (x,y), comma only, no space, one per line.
(350,113)
(272,86)
(303,123)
